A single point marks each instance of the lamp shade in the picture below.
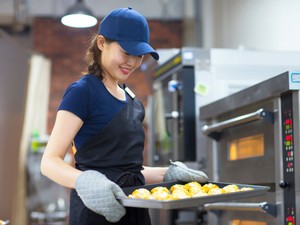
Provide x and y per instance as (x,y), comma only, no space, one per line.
(79,16)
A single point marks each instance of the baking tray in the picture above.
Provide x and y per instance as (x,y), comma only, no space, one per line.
(189,202)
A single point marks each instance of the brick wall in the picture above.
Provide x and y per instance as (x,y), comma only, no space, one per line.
(66,48)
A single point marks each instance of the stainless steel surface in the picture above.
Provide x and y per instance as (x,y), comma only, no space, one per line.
(278,164)
(187,57)
(173,131)
(225,72)
(217,73)
(190,202)
(269,88)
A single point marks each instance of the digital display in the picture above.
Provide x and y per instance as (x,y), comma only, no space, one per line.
(290,220)
(288,140)
(289,204)
(288,124)
(295,77)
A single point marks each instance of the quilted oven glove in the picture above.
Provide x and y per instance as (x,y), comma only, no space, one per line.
(99,195)
(178,171)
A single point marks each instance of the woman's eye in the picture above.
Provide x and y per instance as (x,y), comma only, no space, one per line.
(139,56)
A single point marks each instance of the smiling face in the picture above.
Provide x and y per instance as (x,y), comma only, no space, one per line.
(117,64)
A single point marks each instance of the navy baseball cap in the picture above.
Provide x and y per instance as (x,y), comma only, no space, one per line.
(130,29)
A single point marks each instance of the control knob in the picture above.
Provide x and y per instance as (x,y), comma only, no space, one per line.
(283,184)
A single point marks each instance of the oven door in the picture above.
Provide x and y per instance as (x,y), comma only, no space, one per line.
(245,146)
(244,152)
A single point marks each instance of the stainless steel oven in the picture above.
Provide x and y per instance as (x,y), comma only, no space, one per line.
(253,138)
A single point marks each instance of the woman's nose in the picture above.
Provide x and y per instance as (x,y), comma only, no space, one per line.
(132,59)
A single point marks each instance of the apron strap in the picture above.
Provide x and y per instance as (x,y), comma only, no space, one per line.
(128,91)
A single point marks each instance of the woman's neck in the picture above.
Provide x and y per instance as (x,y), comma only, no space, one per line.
(114,89)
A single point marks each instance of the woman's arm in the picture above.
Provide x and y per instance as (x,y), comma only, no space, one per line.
(154,174)
(53,165)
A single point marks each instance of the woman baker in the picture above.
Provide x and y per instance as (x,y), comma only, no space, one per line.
(103,119)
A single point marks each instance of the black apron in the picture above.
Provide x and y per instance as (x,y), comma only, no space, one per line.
(117,152)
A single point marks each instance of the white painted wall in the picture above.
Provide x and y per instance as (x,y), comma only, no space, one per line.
(254,24)
(154,9)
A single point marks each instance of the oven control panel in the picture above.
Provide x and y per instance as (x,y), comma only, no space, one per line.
(288,184)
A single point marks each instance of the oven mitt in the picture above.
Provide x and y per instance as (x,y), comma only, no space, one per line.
(178,171)
(99,195)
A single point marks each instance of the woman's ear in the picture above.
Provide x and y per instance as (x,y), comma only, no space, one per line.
(100,42)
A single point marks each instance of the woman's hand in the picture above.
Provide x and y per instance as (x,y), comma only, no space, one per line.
(178,171)
(99,195)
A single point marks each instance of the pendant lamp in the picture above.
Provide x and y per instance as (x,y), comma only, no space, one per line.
(79,16)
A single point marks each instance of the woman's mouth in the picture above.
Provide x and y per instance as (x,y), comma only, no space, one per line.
(125,71)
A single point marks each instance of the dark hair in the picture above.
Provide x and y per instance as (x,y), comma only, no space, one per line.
(93,57)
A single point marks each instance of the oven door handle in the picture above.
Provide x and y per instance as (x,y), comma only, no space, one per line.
(238,206)
(214,130)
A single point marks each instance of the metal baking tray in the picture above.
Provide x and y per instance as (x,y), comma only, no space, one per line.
(189,202)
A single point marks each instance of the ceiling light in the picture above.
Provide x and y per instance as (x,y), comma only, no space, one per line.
(79,16)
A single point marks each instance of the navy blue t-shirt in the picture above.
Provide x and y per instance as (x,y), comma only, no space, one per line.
(89,99)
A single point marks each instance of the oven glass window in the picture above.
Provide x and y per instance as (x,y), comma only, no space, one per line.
(246,222)
(246,147)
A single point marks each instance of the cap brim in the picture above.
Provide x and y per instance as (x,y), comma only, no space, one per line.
(138,48)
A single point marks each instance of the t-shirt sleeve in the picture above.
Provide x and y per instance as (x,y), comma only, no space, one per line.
(76,100)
